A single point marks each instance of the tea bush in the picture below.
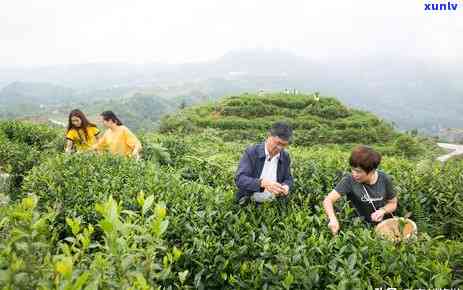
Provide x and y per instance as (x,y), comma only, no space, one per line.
(16,159)
(24,145)
(26,240)
(33,135)
(74,183)
(132,254)
(173,146)
(170,221)
(210,243)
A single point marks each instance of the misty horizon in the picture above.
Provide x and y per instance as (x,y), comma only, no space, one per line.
(179,32)
(393,58)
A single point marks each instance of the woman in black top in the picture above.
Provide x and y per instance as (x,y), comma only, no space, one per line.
(369,190)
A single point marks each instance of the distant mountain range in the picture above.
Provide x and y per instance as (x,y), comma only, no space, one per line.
(412,93)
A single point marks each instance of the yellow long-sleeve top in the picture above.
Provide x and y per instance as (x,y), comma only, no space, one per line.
(120,141)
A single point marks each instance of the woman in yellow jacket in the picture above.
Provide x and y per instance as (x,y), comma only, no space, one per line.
(118,139)
(81,135)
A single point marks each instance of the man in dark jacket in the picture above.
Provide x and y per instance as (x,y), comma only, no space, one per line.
(264,171)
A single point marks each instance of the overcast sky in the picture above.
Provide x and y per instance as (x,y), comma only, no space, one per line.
(174,31)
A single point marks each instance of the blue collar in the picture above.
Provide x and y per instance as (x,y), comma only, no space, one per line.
(261,150)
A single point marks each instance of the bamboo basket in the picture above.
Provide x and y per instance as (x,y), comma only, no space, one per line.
(397,229)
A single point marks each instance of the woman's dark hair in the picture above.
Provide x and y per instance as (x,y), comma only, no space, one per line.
(85,123)
(365,157)
(109,115)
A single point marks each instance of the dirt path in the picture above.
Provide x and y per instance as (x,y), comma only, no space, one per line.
(454,148)
(57,123)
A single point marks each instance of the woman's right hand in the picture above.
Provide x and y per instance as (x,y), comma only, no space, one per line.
(334,226)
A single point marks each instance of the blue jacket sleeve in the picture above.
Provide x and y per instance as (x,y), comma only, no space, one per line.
(243,177)
(288,178)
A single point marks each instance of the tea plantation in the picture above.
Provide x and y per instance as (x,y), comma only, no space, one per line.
(170,221)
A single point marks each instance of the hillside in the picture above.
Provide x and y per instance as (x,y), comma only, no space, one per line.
(316,120)
(141,109)
(32,92)
(170,221)
(138,112)
(413,93)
